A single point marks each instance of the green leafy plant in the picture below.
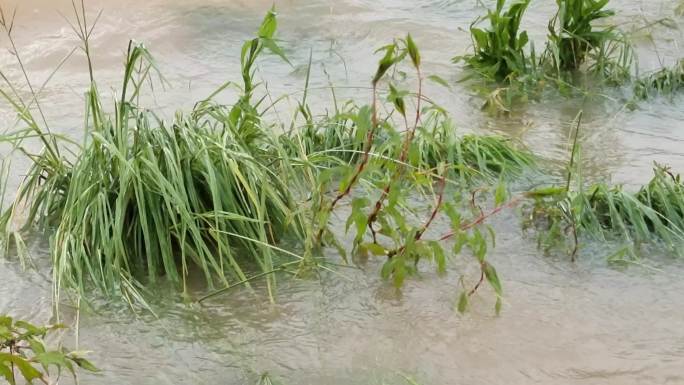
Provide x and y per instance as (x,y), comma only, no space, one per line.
(575,46)
(406,168)
(499,51)
(572,34)
(574,39)
(23,353)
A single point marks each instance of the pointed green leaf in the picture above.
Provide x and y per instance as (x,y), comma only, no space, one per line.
(462,302)
(413,51)
(493,278)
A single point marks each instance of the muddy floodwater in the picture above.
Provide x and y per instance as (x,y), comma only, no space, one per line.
(562,323)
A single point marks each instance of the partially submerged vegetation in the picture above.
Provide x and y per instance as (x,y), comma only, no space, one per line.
(24,354)
(604,212)
(221,191)
(575,45)
(499,51)
(144,200)
(575,40)
(666,81)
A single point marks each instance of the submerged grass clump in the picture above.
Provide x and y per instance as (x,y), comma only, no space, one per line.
(218,190)
(336,140)
(666,81)
(145,199)
(603,212)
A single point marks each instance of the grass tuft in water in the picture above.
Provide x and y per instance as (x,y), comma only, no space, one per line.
(666,81)
(144,199)
(218,189)
(508,73)
(604,212)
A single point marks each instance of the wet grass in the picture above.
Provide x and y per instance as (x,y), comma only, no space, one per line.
(652,215)
(219,190)
(335,140)
(666,82)
(144,199)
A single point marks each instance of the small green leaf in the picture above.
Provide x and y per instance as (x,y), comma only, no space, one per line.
(493,278)
(83,363)
(36,345)
(268,25)
(414,157)
(492,235)
(51,358)
(387,268)
(374,248)
(6,372)
(440,258)
(396,97)
(462,302)
(27,371)
(497,306)
(6,321)
(386,62)
(461,240)
(480,37)
(399,273)
(413,51)
(500,195)
(439,80)
(272,46)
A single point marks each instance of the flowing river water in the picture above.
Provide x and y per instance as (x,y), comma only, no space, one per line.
(562,323)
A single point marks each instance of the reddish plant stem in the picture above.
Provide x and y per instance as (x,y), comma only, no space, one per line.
(410,133)
(420,93)
(426,225)
(481,219)
(362,163)
(472,199)
(477,286)
(373,216)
